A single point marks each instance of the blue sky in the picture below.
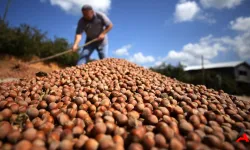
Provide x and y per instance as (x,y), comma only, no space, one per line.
(149,32)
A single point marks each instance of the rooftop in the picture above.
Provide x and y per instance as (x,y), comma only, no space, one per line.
(215,65)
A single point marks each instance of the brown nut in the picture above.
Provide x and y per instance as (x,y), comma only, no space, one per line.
(194,119)
(5,128)
(14,136)
(160,141)
(30,134)
(99,128)
(152,119)
(135,146)
(122,119)
(176,144)
(227,146)
(66,145)
(138,133)
(212,141)
(23,145)
(91,144)
(192,136)
(185,127)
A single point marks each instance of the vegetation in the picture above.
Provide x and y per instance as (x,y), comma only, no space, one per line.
(25,42)
(211,80)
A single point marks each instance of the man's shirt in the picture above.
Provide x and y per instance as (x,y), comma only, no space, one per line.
(94,27)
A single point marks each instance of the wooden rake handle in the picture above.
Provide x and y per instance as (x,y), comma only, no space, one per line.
(62,53)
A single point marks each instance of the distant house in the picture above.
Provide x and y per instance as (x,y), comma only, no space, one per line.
(237,70)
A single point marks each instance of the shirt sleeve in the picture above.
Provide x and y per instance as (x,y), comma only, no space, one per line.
(80,27)
(106,20)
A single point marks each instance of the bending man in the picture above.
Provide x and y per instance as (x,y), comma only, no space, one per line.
(95,25)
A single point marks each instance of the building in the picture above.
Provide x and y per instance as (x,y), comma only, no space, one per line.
(237,70)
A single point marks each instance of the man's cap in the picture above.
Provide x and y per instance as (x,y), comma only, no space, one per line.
(87,7)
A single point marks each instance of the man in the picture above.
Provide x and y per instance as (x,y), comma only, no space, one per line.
(96,25)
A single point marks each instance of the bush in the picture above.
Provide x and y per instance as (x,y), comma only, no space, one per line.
(172,71)
(25,42)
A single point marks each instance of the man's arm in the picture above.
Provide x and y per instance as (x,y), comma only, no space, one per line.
(108,28)
(78,38)
(108,24)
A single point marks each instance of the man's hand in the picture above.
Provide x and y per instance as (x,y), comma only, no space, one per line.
(74,48)
(101,36)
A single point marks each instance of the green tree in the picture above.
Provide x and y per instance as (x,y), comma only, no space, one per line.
(172,71)
(25,42)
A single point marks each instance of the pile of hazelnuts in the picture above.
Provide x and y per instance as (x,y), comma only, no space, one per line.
(113,104)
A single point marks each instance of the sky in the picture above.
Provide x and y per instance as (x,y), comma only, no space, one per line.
(150,32)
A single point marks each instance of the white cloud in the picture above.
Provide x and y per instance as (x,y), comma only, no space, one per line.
(240,44)
(219,4)
(184,58)
(123,51)
(138,58)
(74,6)
(158,63)
(186,11)
(210,47)
(141,59)
(191,53)
(241,24)
(207,46)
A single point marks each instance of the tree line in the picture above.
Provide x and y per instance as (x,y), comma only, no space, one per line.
(26,41)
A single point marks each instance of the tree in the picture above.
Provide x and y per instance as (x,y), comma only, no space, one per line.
(172,71)
(25,42)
